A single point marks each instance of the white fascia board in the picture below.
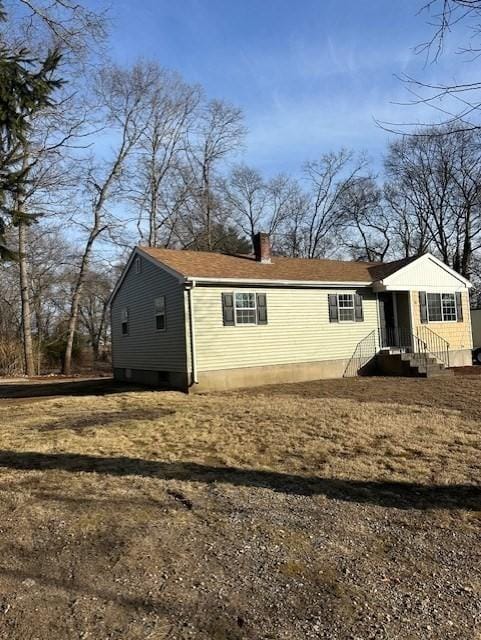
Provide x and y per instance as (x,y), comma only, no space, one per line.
(279,283)
(379,287)
(122,276)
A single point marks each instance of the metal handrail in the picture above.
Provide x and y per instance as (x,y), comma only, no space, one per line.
(365,351)
(400,337)
(420,348)
(436,345)
(405,340)
(428,344)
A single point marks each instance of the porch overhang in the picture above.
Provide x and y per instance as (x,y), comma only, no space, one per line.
(380,286)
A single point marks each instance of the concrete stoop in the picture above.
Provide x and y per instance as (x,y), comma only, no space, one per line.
(411,365)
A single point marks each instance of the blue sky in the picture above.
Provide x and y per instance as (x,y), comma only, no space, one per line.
(311,76)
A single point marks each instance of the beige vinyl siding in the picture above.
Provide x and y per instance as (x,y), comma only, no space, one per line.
(458,334)
(298,329)
(145,348)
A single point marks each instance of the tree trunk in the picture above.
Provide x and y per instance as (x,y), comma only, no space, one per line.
(25,299)
(153,220)
(74,308)
(207,208)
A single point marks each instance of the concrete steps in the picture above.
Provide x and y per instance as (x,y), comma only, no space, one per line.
(411,365)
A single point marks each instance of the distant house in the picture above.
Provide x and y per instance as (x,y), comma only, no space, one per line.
(198,320)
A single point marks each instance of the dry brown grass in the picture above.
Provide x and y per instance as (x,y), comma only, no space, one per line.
(141,513)
(380,430)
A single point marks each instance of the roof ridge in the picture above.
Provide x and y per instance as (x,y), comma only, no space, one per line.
(252,257)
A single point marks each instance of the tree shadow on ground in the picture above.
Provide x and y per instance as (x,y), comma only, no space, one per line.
(101,419)
(401,495)
(144,603)
(98,387)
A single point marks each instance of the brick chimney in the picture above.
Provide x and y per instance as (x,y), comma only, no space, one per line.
(262,248)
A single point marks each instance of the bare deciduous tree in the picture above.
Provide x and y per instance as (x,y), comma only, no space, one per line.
(328,180)
(409,232)
(219,132)
(366,230)
(246,197)
(94,307)
(170,112)
(440,177)
(121,95)
(456,104)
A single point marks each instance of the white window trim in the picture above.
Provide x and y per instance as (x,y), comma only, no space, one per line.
(160,313)
(254,308)
(339,308)
(444,293)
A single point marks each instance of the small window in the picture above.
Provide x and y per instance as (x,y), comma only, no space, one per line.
(125,321)
(138,264)
(441,307)
(159,304)
(345,306)
(245,308)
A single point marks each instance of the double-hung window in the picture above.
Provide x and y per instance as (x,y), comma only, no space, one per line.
(345,307)
(441,307)
(245,307)
(125,321)
(159,304)
(448,303)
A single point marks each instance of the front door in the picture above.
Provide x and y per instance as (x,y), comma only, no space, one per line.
(387,320)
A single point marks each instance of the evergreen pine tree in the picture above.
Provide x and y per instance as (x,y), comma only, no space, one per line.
(27,86)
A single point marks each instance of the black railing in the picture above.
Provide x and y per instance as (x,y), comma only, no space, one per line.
(436,346)
(424,347)
(425,342)
(364,353)
(419,349)
(396,337)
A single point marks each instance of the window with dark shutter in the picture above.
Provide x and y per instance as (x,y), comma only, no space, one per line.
(261,308)
(459,306)
(442,307)
(345,307)
(423,307)
(333,312)
(228,309)
(358,312)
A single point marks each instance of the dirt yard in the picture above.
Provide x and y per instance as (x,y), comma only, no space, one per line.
(343,510)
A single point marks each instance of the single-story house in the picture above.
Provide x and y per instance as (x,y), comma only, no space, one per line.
(200,320)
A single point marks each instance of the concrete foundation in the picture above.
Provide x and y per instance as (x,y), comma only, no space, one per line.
(158,379)
(224,379)
(255,376)
(461,358)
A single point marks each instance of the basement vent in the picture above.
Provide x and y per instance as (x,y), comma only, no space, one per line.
(163,377)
